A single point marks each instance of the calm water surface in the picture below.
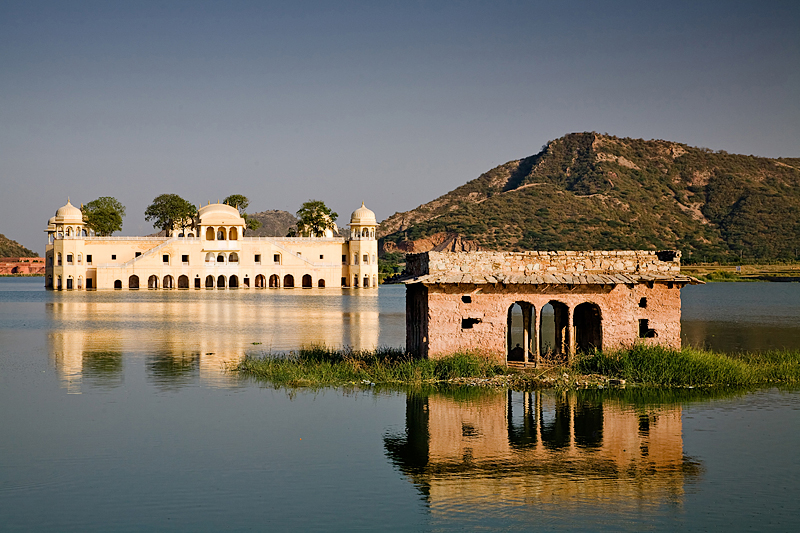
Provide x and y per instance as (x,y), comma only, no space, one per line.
(117,414)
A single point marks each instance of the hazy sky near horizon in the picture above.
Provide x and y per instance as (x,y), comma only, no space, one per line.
(392,103)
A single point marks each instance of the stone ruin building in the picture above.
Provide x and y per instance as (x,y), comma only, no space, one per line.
(526,308)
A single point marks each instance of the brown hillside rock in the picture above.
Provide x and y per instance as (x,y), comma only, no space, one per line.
(438,242)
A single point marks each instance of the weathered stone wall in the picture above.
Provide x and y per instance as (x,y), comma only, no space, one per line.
(489,305)
(527,263)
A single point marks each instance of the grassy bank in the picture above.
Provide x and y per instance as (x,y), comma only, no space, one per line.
(642,365)
(746,272)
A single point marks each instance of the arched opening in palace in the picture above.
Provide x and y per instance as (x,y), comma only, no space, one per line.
(554,331)
(587,320)
(69,283)
(307,283)
(321,283)
(520,333)
(183,281)
(209,234)
(169,282)
(210,257)
(117,283)
(221,234)
(80,282)
(233,234)
(233,282)
(260,281)
(288,281)
(233,258)
(220,258)
(246,282)
(152,282)
(209,282)
(133,282)
(366,282)
(274,281)
(69,232)
(58,261)
(221,282)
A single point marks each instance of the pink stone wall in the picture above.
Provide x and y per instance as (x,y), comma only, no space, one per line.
(619,306)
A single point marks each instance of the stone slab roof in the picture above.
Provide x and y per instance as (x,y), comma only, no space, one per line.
(604,278)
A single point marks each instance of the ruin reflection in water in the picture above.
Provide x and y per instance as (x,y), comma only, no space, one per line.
(97,339)
(466,454)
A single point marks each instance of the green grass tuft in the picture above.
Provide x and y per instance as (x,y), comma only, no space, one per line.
(656,365)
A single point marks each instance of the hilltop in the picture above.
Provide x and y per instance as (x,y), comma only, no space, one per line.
(591,191)
(274,223)
(11,248)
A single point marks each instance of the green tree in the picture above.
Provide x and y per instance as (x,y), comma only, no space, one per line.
(104,215)
(315,217)
(240,202)
(169,211)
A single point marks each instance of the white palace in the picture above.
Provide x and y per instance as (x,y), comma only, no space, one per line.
(212,254)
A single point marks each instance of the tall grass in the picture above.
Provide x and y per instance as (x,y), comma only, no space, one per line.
(320,366)
(650,365)
(656,365)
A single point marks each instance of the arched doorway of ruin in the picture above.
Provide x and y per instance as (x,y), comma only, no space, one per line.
(274,282)
(259,281)
(288,281)
(152,282)
(169,282)
(183,282)
(588,323)
(321,283)
(117,283)
(520,333)
(221,282)
(233,282)
(307,283)
(133,282)
(209,282)
(554,332)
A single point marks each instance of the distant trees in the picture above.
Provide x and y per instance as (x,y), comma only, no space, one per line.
(104,215)
(169,211)
(315,218)
(241,202)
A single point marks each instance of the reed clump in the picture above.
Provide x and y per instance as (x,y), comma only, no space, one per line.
(322,366)
(656,365)
(319,366)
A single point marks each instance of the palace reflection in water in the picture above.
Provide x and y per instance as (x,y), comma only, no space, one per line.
(531,448)
(96,340)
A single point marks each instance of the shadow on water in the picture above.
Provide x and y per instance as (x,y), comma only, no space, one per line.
(460,446)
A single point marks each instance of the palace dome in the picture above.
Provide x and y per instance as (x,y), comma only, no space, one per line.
(219,214)
(362,215)
(68,213)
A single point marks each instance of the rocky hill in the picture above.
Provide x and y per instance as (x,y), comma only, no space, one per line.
(10,248)
(590,191)
(274,223)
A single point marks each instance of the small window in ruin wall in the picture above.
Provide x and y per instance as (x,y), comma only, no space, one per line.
(467,323)
(644,329)
(466,299)
(643,303)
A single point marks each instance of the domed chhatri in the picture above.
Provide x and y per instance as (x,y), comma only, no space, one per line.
(210,251)
(69,213)
(363,216)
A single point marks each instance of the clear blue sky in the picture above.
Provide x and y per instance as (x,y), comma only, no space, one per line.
(393,103)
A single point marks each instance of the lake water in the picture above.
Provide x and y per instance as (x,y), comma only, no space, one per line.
(117,413)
